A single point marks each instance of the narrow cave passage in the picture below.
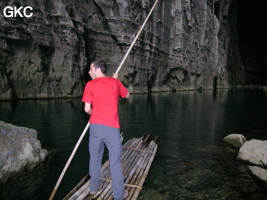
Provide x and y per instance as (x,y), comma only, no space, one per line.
(252,32)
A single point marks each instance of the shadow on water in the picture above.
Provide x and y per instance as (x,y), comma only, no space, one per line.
(192,161)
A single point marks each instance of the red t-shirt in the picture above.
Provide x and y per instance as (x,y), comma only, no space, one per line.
(103,93)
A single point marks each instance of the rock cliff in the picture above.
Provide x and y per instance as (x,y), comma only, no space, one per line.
(186,45)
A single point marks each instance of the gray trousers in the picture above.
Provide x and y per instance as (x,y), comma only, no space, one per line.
(100,135)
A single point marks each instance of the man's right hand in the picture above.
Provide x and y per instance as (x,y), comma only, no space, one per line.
(115,76)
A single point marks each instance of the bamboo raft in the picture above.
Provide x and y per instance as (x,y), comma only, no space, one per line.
(137,157)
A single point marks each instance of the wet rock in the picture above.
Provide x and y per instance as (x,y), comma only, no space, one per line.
(259,172)
(254,151)
(235,140)
(19,150)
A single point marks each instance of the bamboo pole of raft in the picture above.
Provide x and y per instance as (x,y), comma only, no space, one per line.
(144,168)
(68,163)
(140,162)
(138,165)
(78,194)
(131,159)
(139,170)
(135,195)
(130,156)
(139,182)
(77,187)
(131,162)
(135,169)
(136,37)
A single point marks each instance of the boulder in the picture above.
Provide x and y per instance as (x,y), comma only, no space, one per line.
(254,151)
(259,172)
(19,150)
(235,140)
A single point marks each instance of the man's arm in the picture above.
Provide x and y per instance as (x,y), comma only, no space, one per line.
(128,93)
(87,108)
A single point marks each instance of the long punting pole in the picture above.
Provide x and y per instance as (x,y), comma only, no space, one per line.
(136,37)
(70,159)
(87,126)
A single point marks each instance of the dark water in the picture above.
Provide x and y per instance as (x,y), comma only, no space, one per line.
(192,161)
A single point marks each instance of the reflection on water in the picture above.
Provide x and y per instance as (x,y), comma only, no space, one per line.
(192,161)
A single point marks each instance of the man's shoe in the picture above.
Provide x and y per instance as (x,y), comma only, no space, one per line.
(125,195)
(93,193)
(100,187)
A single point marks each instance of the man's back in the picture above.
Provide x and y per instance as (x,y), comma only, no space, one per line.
(103,93)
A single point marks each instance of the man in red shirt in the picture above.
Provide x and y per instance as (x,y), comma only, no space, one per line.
(101,98)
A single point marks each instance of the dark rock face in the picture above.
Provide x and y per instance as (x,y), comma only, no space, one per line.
(41,56)
(185,45)
(252,31)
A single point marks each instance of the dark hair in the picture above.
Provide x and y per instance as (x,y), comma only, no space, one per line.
(100,64)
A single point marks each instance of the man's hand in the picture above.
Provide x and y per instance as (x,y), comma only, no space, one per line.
(128,95)
(115,76)
(87,108)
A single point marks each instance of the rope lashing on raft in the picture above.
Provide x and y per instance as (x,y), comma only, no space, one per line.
(126,184)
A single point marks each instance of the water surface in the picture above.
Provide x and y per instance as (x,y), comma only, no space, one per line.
(192,162)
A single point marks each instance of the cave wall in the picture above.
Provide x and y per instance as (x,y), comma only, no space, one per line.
(186,45)
(252,31)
